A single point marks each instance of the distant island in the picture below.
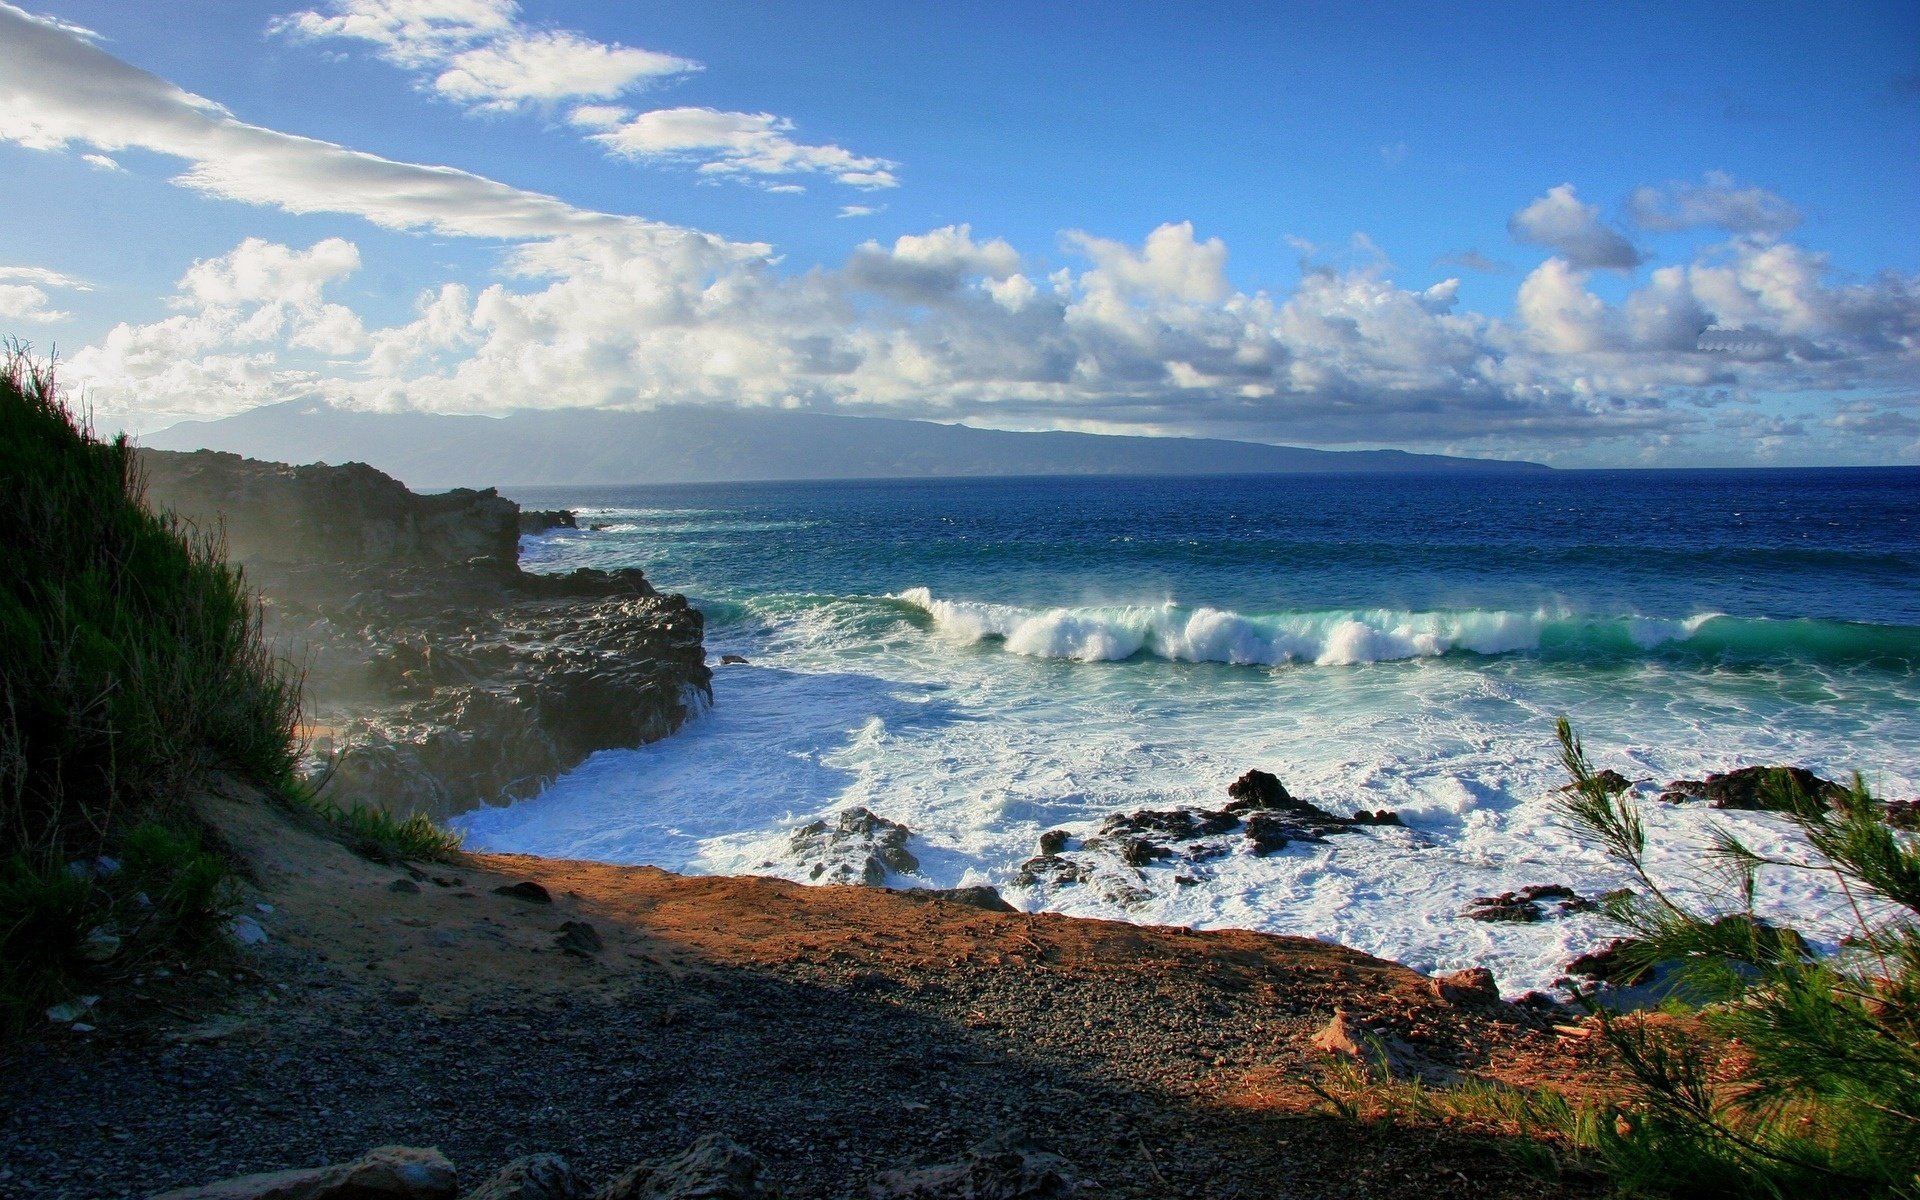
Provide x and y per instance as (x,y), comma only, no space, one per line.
(716,445)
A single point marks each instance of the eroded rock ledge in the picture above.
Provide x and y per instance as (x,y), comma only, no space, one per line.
(440,676)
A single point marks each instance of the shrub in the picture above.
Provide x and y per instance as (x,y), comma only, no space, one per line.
(1808,1081)
(374,833)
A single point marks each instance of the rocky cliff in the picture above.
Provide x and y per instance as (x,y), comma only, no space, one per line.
(440,676)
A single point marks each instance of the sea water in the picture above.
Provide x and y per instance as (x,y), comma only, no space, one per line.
(984,660)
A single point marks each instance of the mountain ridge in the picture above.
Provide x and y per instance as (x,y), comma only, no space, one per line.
(707,445)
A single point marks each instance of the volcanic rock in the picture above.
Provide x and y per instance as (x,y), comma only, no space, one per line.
(1752,788)
(858,847)
(1003,1167)
(534,1177)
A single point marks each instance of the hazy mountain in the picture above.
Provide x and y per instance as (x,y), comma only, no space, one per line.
(698,445)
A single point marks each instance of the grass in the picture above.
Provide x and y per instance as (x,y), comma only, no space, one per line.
(134,668)
(374,833)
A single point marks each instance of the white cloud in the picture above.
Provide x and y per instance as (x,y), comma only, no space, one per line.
(478,53)
(861,210)
(23,294)
(101,161)
(1560,222)
(739,144)
(1716,202)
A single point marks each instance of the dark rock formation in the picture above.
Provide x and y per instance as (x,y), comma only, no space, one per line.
(1904,814)
(1526,905)
(540,520)
(388,1173)
(1003,1167)
(1610,781)
(439,675)
(858,847)
(1259,803)
(714,1168)
(1753,788)
(1472,987)
(980,896)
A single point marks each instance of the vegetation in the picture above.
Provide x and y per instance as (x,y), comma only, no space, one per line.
(1808,1083)
(374,833)
(132,666)
(1768,1071)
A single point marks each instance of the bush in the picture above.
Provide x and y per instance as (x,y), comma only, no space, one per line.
(374,833)
(1807,1082)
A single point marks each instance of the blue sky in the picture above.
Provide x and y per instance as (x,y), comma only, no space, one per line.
(1497,231)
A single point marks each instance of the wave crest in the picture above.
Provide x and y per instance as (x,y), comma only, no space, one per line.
(1354,636)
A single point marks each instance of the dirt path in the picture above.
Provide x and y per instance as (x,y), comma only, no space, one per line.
(837,1031)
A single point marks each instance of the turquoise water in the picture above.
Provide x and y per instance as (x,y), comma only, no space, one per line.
(984,660)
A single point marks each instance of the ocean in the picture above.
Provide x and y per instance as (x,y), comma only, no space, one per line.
(984,660)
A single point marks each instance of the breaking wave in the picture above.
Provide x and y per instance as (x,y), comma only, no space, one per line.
(1352,636)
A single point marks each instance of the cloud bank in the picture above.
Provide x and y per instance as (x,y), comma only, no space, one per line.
(598,309)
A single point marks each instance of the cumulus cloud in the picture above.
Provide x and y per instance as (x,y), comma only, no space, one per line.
(1715,202)
(23,294)
(479,53)
(738,144)
(595,309)
(1573,230)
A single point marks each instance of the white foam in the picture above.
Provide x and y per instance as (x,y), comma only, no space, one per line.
(850,702)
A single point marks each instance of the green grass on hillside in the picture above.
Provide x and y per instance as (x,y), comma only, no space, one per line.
(131,667)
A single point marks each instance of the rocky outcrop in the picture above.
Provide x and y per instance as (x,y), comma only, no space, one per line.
(1529,904)
(1260,817)
(1763,789)
(858,847)
(534,1177)
(714,1168)
(439,676)
(272,512)
(542,520)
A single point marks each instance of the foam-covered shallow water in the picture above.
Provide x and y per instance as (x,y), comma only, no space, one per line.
(987,660)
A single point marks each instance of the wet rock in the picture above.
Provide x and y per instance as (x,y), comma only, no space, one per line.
(526,890)
(1473,986)
(1762,789)
(1257,789)
(578,939)
(714,1168)
(1266,833)
(1052,870)
(396,1172)
(732,660)
(1385,816)
(1180,824)
(1610,781)
(980,896)
(1904,814)
(1004,1167)
(1612,963)
(1053,841)
(1526,905)
(534,1177)
(858,847)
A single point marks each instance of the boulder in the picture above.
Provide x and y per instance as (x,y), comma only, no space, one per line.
(1526,904)
(980,896)
(1053,841)
(387,1173)
(714,1168)
(578,939)
(858,847)
(1609,781)
(1004,1167)
(1759,789)
(1471,987)
(535,1177)
(1256,789)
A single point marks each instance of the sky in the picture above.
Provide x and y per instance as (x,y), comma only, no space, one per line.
(1619,235)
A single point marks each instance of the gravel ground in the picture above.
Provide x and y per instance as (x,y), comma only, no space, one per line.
(1139,1056)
